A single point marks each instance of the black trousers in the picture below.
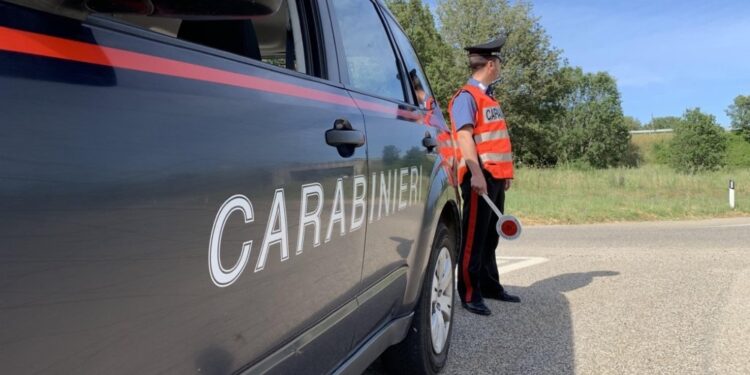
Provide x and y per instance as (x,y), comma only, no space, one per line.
(477,266)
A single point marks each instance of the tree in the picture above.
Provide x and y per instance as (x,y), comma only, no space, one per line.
(699,143)
(593,128)
(391,155)
(436,56)
(632,123)
(468,22)
(739,112)
(668,122)
(413,156)
(532,86)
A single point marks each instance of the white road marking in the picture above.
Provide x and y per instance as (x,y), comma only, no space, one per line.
(510,264)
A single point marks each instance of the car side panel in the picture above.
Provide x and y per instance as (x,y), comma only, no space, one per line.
(398,165)
(112,172)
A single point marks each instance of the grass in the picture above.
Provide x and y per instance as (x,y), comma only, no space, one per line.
(647,142)
(652,192)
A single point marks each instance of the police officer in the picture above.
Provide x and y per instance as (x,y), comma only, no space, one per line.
(485,167)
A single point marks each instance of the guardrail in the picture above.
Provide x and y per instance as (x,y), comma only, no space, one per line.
(651,131)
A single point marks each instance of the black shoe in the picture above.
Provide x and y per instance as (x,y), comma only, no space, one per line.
(502,296)
(477,308)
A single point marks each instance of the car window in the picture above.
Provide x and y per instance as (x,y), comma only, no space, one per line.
(416,75)
(276,38)
(370,59)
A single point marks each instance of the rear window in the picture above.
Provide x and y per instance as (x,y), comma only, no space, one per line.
(275,38)
(271,31)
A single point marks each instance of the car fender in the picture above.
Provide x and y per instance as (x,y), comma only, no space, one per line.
(441,196)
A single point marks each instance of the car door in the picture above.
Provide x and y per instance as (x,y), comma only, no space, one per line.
(169,206)
(399,163)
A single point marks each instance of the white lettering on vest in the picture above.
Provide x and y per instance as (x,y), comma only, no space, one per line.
(492,114)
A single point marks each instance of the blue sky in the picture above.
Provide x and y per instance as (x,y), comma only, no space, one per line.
(666,55)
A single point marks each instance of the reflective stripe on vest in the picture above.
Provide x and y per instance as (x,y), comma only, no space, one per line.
(491,136)
(496,157)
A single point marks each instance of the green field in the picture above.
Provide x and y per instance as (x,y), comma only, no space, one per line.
(652,192)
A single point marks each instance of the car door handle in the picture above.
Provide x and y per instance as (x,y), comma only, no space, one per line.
(336,138)
(429,142)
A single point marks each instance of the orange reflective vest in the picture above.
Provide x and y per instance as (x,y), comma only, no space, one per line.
(490,135)
(447,150)
(445,143)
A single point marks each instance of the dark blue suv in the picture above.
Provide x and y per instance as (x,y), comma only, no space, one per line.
(216,187)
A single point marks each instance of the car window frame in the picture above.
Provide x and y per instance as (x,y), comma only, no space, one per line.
(387,14)
(342,62)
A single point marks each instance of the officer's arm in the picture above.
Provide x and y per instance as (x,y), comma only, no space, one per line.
(463,112)
(469,149)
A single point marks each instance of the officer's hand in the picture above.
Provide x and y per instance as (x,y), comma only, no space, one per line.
(478,183)
(507,184)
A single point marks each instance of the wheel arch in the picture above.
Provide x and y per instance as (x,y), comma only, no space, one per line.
(441,207)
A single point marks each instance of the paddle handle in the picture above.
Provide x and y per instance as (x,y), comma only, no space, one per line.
(492,205)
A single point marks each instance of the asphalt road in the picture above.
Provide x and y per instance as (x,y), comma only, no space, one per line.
(643,298)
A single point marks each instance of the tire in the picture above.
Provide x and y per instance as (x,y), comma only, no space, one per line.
(425,350)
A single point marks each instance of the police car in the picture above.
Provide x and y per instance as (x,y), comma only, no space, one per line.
(220,187)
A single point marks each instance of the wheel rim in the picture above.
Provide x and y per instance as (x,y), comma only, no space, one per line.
(441,300)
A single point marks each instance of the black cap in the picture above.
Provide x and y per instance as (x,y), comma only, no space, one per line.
(491,48)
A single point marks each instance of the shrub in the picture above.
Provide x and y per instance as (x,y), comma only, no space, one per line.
(662,152)
(648,145)
(738,151)
(739,112)
(699,144)
(592,128)
(633,157)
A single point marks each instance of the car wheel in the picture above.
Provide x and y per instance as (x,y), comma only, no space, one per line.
(425,349)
